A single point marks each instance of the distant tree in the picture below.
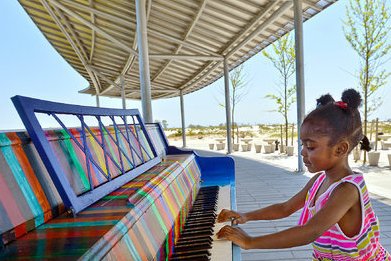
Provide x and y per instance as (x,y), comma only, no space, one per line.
(366,29)
(283,59)
(238,87)
(165,124)
(195,126)
(237,92)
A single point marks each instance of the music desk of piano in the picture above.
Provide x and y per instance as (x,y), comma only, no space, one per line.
(137,196)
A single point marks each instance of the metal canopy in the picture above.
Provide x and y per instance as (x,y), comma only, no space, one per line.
(187,39)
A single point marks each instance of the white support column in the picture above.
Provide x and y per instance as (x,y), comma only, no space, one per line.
(183,120)
(227,106)
(145,79)
(298,14)
(97,100)
(123,92)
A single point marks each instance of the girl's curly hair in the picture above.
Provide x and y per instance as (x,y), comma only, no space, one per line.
(339,120)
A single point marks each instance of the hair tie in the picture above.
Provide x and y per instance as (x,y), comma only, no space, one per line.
(341,104)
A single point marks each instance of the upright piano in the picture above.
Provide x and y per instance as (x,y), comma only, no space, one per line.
(109,188)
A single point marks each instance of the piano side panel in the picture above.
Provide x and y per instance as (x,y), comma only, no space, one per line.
(105,223)
(28,197)
(156,225)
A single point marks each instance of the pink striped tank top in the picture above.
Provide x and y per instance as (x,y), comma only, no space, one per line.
(333,244)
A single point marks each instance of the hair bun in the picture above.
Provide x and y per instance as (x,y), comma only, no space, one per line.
(365,144)
(324,99)
(352,98)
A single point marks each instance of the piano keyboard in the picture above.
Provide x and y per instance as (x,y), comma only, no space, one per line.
(198,239)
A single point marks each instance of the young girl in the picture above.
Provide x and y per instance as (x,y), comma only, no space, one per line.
(337,216)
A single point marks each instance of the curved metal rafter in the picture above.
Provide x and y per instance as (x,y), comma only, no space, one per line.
(228,52)
(187,39)
(195,20)
(74,42)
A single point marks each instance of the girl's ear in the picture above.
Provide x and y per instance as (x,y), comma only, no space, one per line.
(342,148)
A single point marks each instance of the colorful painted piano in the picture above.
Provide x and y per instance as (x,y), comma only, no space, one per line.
(110,188)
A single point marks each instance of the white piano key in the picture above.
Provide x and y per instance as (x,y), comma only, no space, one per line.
(221,248)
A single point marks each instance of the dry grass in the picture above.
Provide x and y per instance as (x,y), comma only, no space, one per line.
(257,131)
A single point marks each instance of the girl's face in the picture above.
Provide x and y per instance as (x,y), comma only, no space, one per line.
(316,152)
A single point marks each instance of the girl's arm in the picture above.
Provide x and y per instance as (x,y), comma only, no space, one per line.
(275,211)
(341,200)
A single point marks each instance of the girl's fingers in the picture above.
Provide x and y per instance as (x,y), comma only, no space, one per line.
(224,231)
(223,216)
(227,215)
(234,234)
(237,221)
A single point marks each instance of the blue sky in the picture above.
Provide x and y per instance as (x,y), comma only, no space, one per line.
(29,66)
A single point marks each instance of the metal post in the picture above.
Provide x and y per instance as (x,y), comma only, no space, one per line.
(183,120)
(143,60)
(97,100)
(376,133)
(123,92)
(282,139)
(298,14)
(227,106)
(293,133)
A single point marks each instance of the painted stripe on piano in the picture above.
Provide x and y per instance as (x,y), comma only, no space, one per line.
(55,203)
(78,224)
(29,173)
(143,225)
(22,181)
(12,212)
(68,150)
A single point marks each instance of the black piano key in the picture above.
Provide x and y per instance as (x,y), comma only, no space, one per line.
(191,252)
(196,235)
(195,239)
(207,213)
(195,257)
(199,225)
(186,248)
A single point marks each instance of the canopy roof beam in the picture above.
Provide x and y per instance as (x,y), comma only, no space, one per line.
(97,71)
(167,89)
(261,16)
(125,22)
(92,33)
(266,23)
(77,47)
(188,38)
(310,4)
(94,27)
(164,92)
(185,57)
(71,4)
(189,45)
(178,49)
(129,63)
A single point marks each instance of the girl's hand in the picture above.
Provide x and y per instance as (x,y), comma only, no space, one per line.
(228,215)
(236,235)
